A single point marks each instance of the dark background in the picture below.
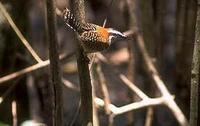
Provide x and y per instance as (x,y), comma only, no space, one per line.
(168,30)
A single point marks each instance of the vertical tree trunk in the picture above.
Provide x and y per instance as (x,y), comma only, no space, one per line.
(147,25)
(83,70)
(159,42)
(185,27)
(57,112)
(195,75)
(131,66)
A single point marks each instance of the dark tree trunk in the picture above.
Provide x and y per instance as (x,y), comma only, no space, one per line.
(185,27)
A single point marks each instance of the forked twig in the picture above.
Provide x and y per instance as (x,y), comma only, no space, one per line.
(132,106)
(123,78)
(169,100)
(126,108)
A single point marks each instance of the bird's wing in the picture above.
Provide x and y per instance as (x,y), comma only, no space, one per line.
(93,42)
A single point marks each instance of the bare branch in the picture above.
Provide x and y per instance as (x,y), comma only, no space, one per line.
(149,116)
(195,76)
(78,8)
(169,100)
(54,64)
(8,91)
(160,84)
(19,34)
(126,81)
(95,111)
(24,71)
(14,113)
(133,106)
(132,86)
(70,85)
(104,90)
(130,107)
(29,69)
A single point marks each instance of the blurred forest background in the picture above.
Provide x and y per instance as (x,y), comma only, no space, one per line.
(168,30)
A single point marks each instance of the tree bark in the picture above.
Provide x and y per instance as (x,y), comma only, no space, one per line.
(185,27)
(57,112)
(78,8)
(195,75)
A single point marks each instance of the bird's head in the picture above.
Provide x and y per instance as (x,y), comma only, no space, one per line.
(116,35)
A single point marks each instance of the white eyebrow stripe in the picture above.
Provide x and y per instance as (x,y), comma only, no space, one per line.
(110,39)
(110,30)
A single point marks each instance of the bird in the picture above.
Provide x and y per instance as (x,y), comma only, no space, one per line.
(93,38)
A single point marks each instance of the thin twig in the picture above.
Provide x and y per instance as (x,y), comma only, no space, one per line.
(30,69)
(126,81)
(169,101)
(133,106)
(19,34)
(104,90)
(92,61)
(14,113)
(130,107)
(24,71)
(126,108)
(153,73)
(95,111)
(8,91)
(76,114)
(70,85)
(149,116)
(132,86)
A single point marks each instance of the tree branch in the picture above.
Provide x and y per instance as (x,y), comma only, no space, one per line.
(54,64)
(105,93)
(29,69)
(83,69)
(169,99)
(195,75)
(19,34)
(153,73)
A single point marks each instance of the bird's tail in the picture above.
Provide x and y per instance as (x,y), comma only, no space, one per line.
(71,21)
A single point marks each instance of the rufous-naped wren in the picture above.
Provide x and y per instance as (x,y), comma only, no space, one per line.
(93,37)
